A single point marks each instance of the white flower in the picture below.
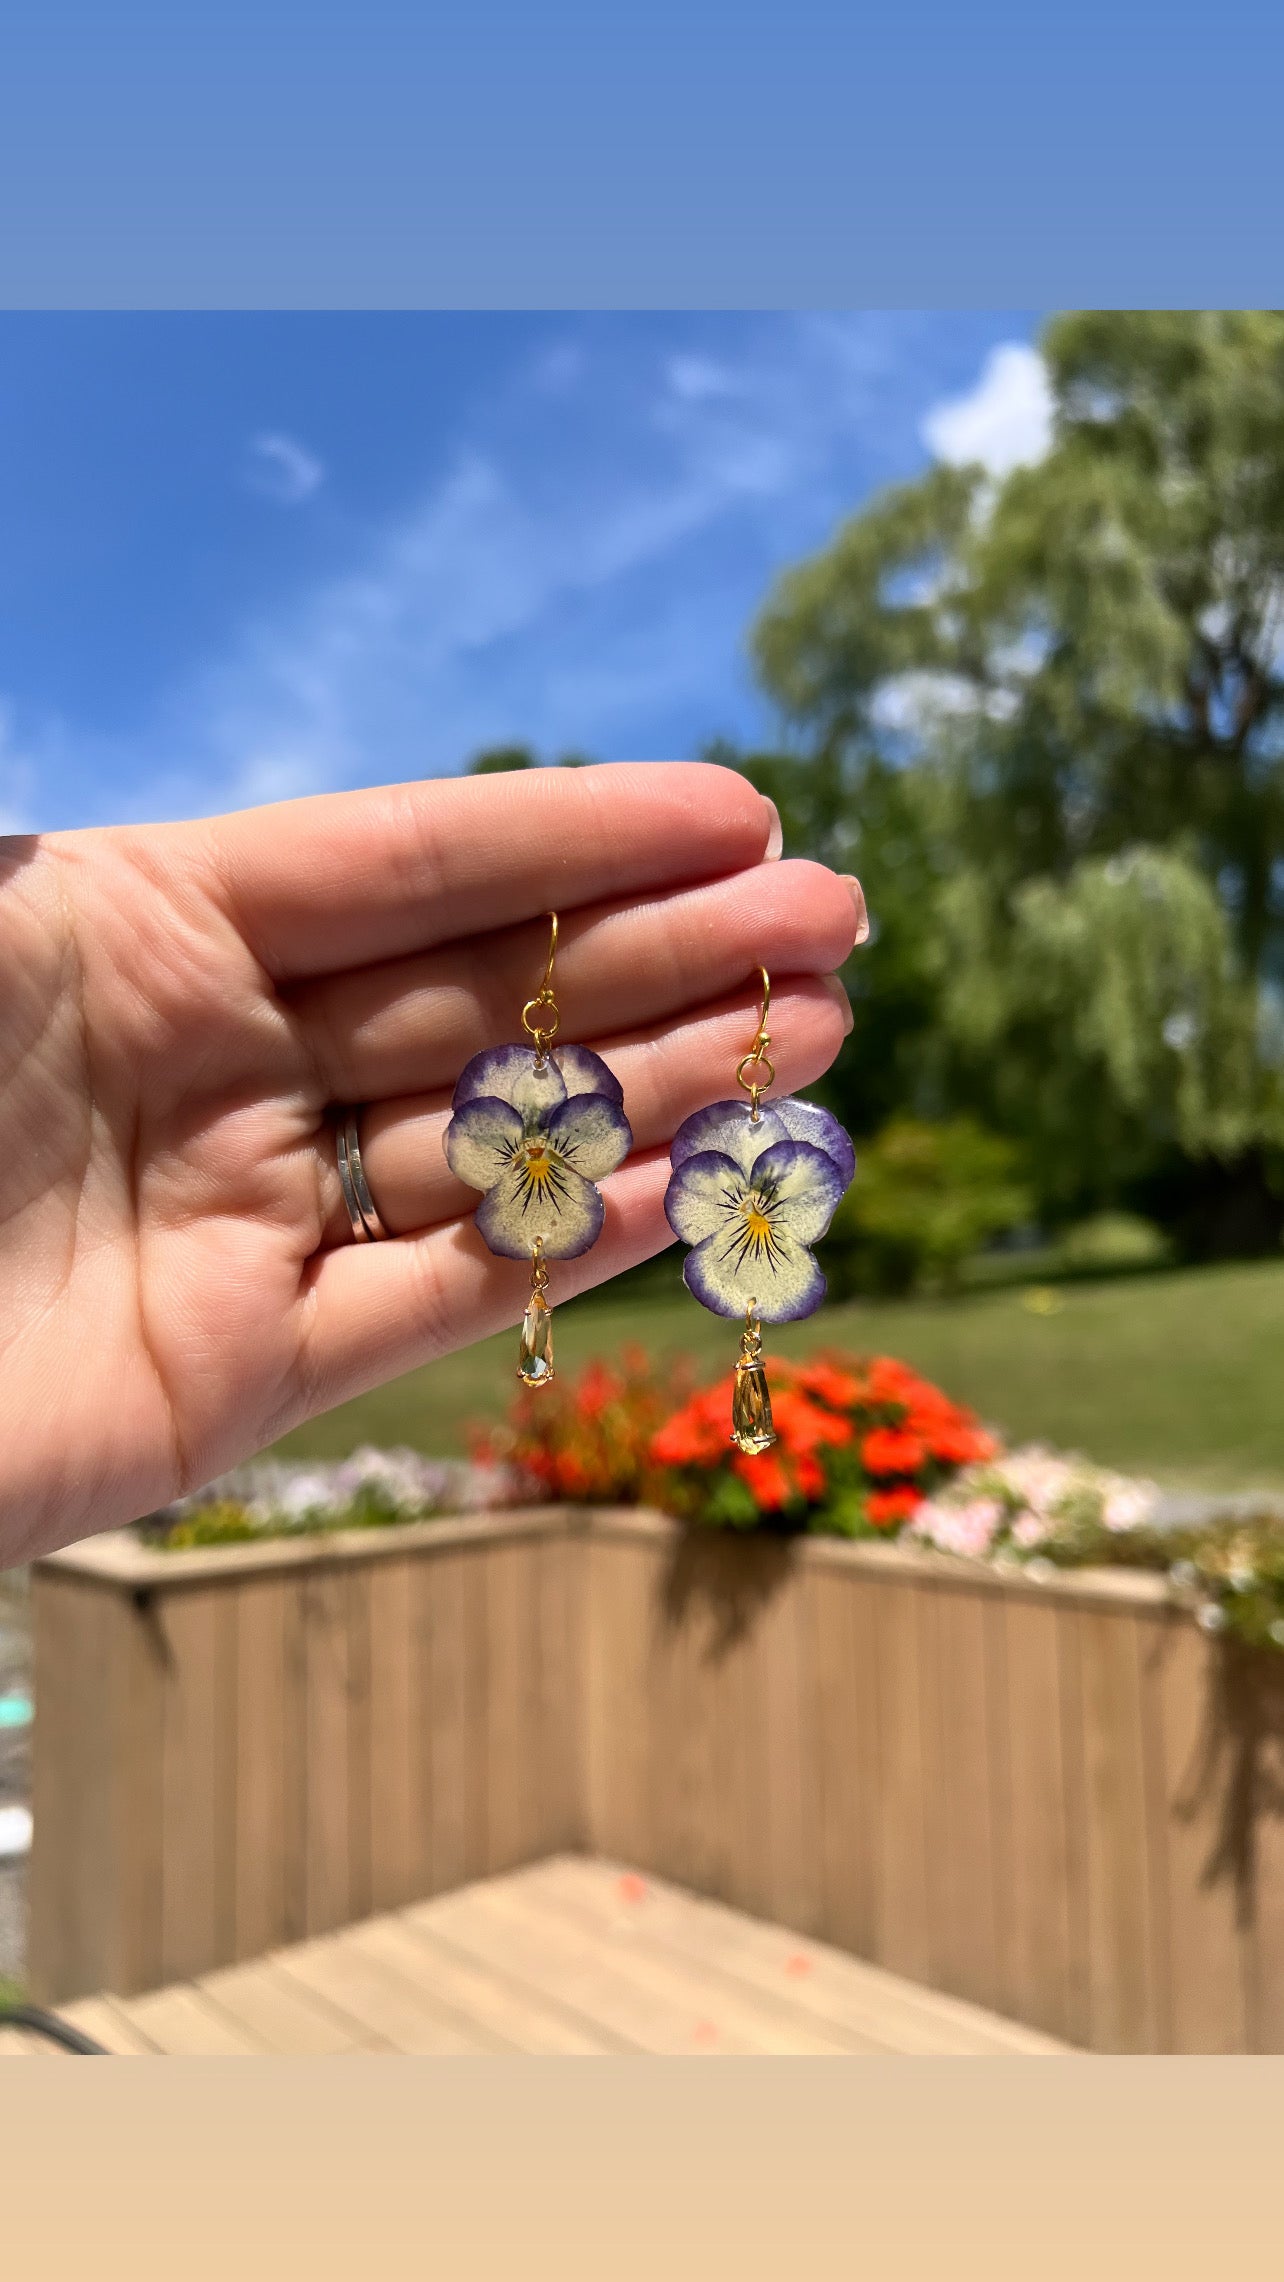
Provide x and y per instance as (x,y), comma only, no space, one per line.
(1129,1505)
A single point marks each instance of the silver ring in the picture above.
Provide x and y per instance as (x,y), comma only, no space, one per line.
(366,1224)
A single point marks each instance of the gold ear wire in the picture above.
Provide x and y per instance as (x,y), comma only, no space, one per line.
(757,1059)
(543,1007)
(547,983)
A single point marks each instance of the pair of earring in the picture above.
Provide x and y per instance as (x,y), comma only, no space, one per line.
(754,1185)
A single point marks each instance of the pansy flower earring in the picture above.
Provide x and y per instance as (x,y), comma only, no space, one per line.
(536,1127)
(752,1189)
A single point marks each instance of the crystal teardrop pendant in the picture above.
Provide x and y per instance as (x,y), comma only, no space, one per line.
(535,1353)
(535,1350)
(751,1425)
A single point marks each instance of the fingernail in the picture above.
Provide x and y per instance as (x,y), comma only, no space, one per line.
(834,985)
(776,836)
(858,898)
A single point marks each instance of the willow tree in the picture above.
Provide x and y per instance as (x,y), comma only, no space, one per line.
(1081,659)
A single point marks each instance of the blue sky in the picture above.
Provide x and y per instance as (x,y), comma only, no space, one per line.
(244,556)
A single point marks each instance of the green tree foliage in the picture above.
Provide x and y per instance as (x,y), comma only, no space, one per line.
(1109,1016)
(498,760)
(1044,718)
(861,814)
(925,1197)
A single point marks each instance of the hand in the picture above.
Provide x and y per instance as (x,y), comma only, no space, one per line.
(184,1004)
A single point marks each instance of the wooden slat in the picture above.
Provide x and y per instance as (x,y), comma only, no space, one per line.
(723,2013)
(789,1761)
(328,1806)
(659,2005)
(182,2021)
(280,2014)
(449,1765)
(399,1822)
(267,1866)
(679,1776)
(137,1720)
(74,1872)
(958,1779)
(1121,1959)
(1074,1765)
(359,1772)
(510,2016)
(868,2009)
(623,1581)
(21,2044)
(561,1692)
(903,1932)
(842,1650)
(512,1739)
(198,1877)
(737,1716)
(1207,1966)
(1263,1894)
(394,2014)
(1036,1978)
(104,2020)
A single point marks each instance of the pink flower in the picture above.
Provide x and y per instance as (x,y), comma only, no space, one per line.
(968,1529)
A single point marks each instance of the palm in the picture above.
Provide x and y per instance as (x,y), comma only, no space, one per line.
(187,1004)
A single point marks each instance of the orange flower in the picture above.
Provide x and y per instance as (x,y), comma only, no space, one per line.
(885,1508)
(803,1425)
(683,1441)
(828,1383)
(892,1450)
(595,1390)
(957,1443)
(696,1435)
(890,1381)
(809,1476)
(571,1476)
(766,1477)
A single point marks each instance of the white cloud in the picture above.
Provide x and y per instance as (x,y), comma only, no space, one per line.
(558,367)
(514,599)
(462,625)
(1004,422)
(282,468)
(697,378)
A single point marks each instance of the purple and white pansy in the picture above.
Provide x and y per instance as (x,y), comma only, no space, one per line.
(752,1195)
(535,1133)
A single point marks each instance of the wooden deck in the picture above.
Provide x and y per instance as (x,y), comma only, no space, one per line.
(571,1956)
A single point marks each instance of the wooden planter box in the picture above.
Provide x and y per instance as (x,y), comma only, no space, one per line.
(1060,1800)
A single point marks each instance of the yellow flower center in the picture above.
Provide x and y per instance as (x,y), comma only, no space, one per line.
(538,1163)
(757,1222)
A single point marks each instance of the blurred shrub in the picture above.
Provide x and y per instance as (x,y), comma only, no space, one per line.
(589,1437)
(1110,1241)
(860,1442)
(925,1197)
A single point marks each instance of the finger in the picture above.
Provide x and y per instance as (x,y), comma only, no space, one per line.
(346,878)
(410,1025)
(666,1072)
(372,1311)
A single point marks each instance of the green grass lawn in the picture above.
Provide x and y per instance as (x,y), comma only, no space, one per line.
(1176,1375)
